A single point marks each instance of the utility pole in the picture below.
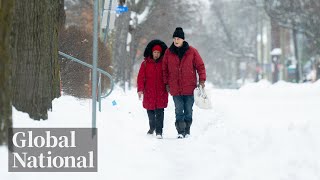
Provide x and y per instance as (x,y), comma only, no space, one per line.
(94,64)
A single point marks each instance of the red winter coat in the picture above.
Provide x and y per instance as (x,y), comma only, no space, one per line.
(180,75)
(150,82)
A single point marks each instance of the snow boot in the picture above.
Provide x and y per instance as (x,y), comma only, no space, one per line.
(187,136)
(150,132)
(181,126)
(159,136)
(159,121)
(188,125)
(180,136)
(152,121)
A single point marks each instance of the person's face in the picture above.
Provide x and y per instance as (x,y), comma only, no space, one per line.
(156,55)
(177,41)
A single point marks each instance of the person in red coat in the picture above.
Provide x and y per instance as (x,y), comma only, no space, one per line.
(181,62)
(151,87)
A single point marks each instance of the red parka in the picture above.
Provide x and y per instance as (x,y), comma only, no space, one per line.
(180,75)
(150,82)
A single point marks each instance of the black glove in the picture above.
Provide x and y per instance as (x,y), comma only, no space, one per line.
(167,88)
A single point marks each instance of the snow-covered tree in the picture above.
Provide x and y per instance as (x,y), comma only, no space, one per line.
(229,39)
(146,20)
(302,17)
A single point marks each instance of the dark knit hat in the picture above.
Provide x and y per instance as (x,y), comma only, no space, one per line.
(178,33)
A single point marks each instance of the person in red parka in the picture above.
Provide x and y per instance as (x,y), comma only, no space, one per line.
(181,62)
(151,87)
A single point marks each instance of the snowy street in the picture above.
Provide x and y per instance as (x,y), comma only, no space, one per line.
(259,132)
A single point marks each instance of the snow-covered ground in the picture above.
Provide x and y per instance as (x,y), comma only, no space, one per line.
(259,132)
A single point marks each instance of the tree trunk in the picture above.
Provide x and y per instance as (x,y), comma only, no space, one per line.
(133,51)
(298,67)
(62,15)
(6,8)
(35,68)
(120,54)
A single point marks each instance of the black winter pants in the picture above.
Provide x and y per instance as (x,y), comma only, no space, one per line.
(156,120)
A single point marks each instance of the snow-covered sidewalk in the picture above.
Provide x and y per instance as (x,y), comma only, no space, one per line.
(259,132)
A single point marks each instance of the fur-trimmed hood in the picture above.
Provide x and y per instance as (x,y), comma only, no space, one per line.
(148,50)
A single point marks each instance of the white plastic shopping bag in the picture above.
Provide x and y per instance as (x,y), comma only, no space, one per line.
(201,98)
